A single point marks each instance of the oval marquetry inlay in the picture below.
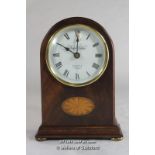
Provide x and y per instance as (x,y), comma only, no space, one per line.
(78,106)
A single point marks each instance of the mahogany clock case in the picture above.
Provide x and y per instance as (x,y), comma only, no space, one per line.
(101,122)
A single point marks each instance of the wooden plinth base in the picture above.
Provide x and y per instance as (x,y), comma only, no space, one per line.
(93,132)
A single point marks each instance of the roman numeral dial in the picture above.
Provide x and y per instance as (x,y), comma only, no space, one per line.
(56,54)
(98,55)
(77,55)
(77,77)
(66,73)
(88,36)
(96,44)
(66,36)
(58,65)
(96,66)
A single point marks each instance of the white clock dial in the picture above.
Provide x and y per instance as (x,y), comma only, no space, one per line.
(77,55)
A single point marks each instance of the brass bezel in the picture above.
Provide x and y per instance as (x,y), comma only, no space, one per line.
(54,74)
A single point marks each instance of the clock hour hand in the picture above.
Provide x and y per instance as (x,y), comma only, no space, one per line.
(66,48)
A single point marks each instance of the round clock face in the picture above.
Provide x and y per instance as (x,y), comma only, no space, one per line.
(77,55)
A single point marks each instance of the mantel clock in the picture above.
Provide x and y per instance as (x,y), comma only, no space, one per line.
(77,82)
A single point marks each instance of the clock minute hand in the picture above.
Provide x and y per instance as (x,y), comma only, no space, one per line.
(77,40)
(66,48)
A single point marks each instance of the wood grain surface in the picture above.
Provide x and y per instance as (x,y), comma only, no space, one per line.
(100,122)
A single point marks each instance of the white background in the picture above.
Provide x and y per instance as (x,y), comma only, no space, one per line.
(12,82)
(41,15)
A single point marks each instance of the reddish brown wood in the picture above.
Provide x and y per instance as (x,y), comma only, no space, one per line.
(98,124)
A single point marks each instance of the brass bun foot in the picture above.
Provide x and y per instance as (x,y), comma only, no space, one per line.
(117,139)
(41,139)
